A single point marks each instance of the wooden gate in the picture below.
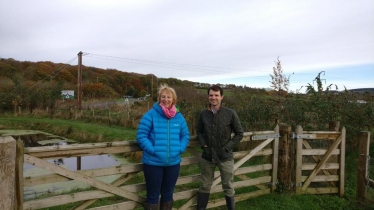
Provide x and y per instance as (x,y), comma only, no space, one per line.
(38,157)
(320,170)
(255,174)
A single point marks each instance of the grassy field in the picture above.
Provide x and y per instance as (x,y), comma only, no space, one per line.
(88,132)
(72,129)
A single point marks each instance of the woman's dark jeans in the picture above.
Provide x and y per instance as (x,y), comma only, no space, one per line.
(160,180)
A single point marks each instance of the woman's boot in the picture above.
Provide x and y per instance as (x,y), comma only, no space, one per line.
(166,205)
(149,206)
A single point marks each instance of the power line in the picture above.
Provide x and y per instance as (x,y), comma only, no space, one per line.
(188,67)
(195,68)
(50,76)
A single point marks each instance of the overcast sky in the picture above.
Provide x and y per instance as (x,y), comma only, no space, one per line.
(209,41)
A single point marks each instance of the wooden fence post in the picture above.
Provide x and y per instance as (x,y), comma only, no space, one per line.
(284,171)
(342,162)
(275,161)
(362,182)
(299,156)
(7,172)
(334,126)
(19,175)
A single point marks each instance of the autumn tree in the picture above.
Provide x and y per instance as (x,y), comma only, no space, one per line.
(93,90)
(44,69)
(279,81)
(66,76)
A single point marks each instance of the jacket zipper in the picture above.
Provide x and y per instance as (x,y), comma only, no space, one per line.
(168,153)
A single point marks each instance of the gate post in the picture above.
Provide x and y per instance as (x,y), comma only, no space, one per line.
(299,147)
(7,172)
(284,170)
(19,175)
(364,143)
(334,125)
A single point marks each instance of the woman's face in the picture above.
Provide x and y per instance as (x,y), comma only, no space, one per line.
(166,99)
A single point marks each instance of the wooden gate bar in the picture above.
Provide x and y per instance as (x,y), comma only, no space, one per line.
(120,180)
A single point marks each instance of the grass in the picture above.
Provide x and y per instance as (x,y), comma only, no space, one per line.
(72,129)
(283,201)
(94,132)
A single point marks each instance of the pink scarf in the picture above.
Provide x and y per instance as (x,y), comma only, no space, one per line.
(169,112)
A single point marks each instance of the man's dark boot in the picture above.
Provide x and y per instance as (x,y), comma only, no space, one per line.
(230,202)
(166,205)
(148,206)
(202,201)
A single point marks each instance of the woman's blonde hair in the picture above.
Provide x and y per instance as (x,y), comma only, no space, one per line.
(167,89)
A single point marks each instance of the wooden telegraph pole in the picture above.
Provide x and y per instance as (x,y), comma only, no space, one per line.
(79,80)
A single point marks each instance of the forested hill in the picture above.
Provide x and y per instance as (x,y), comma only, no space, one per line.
(96,82)
(363,90)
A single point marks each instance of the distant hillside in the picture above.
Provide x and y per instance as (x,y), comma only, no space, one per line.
(96,82)
(362,90)
(32,77)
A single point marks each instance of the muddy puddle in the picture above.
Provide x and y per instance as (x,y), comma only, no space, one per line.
(32,138)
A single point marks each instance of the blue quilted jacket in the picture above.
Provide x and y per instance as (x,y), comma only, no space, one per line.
(162,140)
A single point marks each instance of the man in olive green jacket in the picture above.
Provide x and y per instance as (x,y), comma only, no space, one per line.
(214,129)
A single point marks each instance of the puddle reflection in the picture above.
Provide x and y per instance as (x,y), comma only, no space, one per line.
(87,162)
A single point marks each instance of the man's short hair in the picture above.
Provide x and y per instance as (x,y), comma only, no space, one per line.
(216,88)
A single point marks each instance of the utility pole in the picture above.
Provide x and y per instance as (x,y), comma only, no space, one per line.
(79,80)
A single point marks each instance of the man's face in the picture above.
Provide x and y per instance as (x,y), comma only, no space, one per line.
(215,98)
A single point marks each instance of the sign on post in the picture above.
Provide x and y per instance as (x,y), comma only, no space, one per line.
(67,94)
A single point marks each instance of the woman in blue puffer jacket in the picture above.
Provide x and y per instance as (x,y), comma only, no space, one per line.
(163,136)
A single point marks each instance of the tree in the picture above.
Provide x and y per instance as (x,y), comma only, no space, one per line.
(311,90)
(279,81)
